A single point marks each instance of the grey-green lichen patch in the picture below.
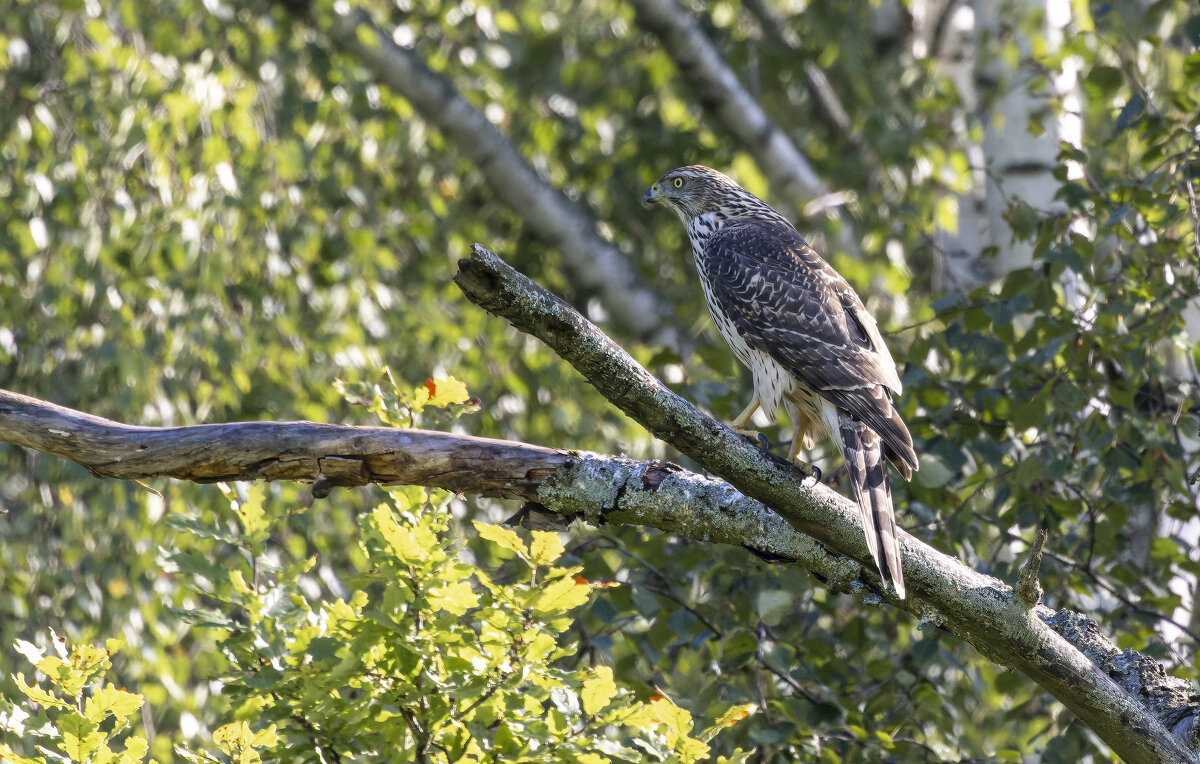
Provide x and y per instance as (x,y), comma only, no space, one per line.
(603,489)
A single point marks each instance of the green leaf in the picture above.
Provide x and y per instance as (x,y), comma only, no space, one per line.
(1106,79)
(598,689)
(80,736)
(503,537)
(933,473)
(1132,109)
(545,548)
(110,700)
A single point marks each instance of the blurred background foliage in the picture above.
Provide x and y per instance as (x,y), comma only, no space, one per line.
(209,212)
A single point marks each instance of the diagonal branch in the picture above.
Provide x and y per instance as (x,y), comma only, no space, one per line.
(596,488)
(545,210)
(723,95)
(1049,646)
(980,609)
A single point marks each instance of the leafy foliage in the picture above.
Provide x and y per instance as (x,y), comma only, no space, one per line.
(211,213)
(429,659)
(80,717)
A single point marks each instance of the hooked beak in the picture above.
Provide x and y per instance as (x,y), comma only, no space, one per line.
(651,196)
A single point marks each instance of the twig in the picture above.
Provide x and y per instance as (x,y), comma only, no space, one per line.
(1028,586)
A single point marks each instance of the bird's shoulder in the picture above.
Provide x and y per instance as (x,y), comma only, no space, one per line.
(771,255)
(787,301)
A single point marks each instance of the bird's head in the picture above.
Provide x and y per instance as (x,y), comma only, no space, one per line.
(696,190)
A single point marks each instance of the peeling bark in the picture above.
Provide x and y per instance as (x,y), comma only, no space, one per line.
(328,455)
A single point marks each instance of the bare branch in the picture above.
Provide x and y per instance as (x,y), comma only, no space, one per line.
(829,106)
(545,210)
(326,454)
(978,608)
(1125,697)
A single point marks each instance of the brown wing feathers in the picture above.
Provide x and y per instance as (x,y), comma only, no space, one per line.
(787,302)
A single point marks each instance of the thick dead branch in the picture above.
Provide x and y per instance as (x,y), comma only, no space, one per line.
(545,210)
(980,609)
(596,488)
(327,454)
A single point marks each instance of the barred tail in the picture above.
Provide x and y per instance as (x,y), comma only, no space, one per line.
(869,478)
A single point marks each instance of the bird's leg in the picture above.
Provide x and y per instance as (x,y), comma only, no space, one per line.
(798,428)
(738,425)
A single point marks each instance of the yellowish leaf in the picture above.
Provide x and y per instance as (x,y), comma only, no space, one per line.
(136,749)
(267,737)
(545,548)
(732,716)
(677,719)
(503,537)
(7,754)
(38,695)
(561,595)
(598,689)
(110,700)
(445,392)
(80,736)
(408,544)
(456,598)
(251,512)
(239,582)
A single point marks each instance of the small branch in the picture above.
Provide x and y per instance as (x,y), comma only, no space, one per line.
(545,210)
(1195,210)
(829,107)
(978,608)
(783,676)
(720,92)
(1028,587)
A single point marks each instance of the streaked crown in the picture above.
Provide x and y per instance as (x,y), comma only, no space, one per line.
(696,190)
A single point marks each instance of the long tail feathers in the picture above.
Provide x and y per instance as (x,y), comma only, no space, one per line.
(868,476)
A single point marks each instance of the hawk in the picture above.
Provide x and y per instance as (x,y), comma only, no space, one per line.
(800,328)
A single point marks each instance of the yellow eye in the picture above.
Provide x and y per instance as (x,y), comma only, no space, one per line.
(679,183)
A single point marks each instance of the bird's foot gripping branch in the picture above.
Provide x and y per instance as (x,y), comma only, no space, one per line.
(1140,723)
(766,507)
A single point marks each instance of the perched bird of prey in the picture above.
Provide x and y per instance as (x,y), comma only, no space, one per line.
(809,343)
